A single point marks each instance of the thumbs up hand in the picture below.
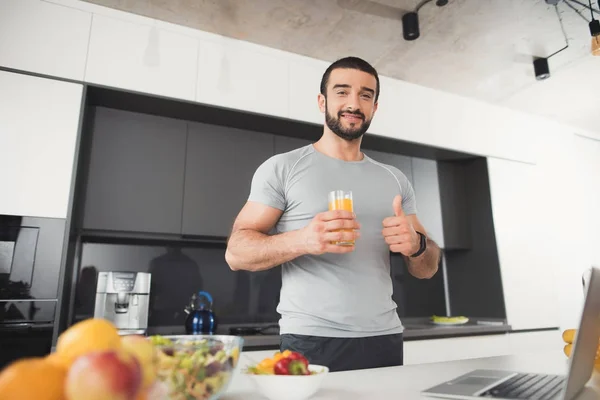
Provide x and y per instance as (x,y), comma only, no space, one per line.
(399,232)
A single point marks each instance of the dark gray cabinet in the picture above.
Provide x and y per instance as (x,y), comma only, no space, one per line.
(136,172)
(220,164)
(454,187)
(283,144)
(427,192)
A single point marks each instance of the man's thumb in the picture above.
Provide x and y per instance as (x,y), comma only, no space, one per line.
(398,211)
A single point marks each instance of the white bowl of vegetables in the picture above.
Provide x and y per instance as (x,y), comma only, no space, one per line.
(287,376)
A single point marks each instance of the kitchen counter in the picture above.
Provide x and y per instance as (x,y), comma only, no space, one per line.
(406,382)
(414,329)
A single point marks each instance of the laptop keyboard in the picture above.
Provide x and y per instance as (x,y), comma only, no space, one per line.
(527,386)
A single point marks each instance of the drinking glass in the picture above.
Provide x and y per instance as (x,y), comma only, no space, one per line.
(342,200)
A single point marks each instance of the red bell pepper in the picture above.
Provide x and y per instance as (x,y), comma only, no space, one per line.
(289,366)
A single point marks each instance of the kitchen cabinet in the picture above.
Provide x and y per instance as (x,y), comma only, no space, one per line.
(143,58)
(243,76)
(136,173)
(38,134)
(44,38)
(521,212)
(427,192)
(220,164)
(305,76)
(454,205)
(283,144)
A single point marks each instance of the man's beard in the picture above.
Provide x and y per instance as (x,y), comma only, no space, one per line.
(335,124)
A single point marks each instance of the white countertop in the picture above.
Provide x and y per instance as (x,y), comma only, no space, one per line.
(406,382)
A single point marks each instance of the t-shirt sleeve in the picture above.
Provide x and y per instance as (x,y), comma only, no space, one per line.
(268,185)
(409,200)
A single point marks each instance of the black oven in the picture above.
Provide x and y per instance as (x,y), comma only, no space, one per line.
(30,259)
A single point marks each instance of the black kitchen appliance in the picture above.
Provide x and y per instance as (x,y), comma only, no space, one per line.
(30,259)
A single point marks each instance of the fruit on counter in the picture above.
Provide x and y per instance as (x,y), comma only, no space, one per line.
(567,349)
(33,378)
(91,361)
(282,363)
(569,335)
(146,354)
(104,375)
(449,320)
(94,334)
(287,366)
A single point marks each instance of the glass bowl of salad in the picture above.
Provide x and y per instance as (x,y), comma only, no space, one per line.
(196,367)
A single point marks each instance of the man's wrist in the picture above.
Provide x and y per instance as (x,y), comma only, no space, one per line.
(421,245)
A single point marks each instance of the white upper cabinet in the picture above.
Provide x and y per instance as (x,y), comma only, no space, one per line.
(38,130)
(305,81)
(143,58)
(44,38)
(243,77)
(523,213)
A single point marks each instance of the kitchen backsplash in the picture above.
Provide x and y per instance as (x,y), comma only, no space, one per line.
(179,270)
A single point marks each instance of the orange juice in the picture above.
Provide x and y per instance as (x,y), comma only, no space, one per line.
(342,200)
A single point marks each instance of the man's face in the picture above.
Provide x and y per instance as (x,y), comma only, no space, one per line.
(350,103)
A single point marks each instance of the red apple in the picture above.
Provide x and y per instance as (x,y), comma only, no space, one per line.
(104,375)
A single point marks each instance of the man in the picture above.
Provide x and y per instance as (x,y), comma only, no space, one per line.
(336,301)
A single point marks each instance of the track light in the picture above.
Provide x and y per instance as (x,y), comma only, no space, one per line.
(595,32)
(410,20)
(541,68)
(410,26)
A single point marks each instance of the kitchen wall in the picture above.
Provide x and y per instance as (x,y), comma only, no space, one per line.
(543,176)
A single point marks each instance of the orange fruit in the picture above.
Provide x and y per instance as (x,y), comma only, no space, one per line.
(33,378)
(94,334)
(57,360)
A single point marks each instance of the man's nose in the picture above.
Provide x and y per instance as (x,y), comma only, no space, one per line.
(352,104)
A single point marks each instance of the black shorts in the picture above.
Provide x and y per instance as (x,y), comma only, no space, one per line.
(344,354)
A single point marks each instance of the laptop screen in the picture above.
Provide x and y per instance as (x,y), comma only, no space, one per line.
(586,340)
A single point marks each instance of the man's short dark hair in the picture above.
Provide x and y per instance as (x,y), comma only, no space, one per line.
(350,63)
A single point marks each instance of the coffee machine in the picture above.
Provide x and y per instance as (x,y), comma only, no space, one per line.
(124,299)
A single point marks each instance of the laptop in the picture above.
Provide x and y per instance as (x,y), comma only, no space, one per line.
(499,384)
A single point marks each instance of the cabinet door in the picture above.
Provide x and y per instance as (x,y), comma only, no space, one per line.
(522,215)
(220,163)
(38,131)
(403,163)
(135,180)
(42,37)
(427,192)
(142,58)
(283,144)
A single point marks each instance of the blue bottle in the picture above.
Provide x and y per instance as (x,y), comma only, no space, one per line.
(201,319)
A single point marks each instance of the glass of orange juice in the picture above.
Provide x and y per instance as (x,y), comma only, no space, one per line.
(342,200)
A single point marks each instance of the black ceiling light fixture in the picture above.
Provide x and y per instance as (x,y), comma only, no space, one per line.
(410,20)
(541,67)
(594,24)
(595,31)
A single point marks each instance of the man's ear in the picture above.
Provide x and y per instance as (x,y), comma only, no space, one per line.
(321,101)
(375,107)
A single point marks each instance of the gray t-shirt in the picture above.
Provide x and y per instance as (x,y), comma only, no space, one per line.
(335,295)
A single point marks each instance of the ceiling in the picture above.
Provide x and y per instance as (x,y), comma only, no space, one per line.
(481,49)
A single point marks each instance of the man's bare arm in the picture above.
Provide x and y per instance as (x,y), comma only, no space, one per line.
(251,248)
(425,265)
